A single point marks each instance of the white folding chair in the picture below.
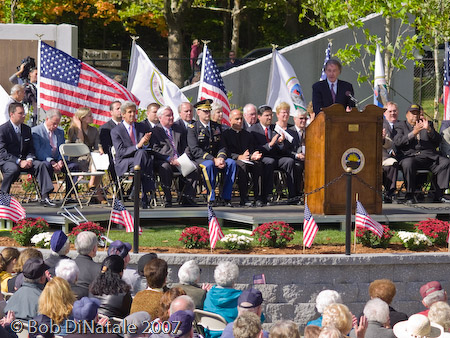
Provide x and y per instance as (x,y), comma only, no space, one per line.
(208,320)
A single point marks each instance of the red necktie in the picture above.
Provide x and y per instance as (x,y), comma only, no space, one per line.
(133,139)
(267,134)
(333,94)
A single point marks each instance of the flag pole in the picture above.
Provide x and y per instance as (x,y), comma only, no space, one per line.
(202,70)
(272,65)
(354,244)
(110,216)
(306,203)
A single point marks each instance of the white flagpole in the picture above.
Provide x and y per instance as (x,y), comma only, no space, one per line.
(202,73)
(354,244)
(272,65)
(133,64)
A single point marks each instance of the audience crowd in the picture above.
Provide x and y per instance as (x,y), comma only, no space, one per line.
(82,298)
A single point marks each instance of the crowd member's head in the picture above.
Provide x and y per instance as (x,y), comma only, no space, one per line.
(26,255)
(52,119)
(186,111)
(236,119)
(377,310)
(143,261)
(152,108)
(16,113)
(114,110)
(185,319)
(203,110)
(391,112)
(417,326)
(432,292)
(167,298)
(86,309)
(313,331)
(8,259)
(284,329)
(140,320)
(250,114)
(155,271)
(250,301)
(68,270)
(84,114)
(128,112)
(18,92)
(121,249)
(33,75)
(189,273)
(34,271)
(333,69)
(300,119)
(440,314)
(338,315)
(216,112)
(56,300)
(413,114)
(330,332)
(181,303)
(282,110)
(165,116)
(86,243)
(226,274)
(109,281)
(265,115)
(247,325)
(325,298)
(59,243)
(383,289)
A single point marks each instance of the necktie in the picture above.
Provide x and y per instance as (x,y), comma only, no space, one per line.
(266,131)
(169,135)
(333,93)
(52,143)
(300,135)
(133,139)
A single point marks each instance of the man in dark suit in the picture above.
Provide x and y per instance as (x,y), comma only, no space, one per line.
(130,140)
(240,147)
(186,113)
(206,147)
(105,135)
(326,93)
(416,142)
(298,132)
(169,141)
(250,116)
(390,164)
(152,120)
(17,154)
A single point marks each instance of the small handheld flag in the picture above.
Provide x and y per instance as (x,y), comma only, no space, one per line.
(363,220)
(120,215)
(10,208)
(310,227)
(215,232)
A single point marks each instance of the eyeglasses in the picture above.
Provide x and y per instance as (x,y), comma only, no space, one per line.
(302,118)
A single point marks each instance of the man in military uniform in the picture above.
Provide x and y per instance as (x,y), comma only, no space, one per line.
(207,149)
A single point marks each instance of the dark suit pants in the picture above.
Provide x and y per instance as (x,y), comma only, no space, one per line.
(390,174)
(73,167)
(243,170)
(165,172)
(145,161)
(285,164)
(11,173)
(299,167)
(439,166)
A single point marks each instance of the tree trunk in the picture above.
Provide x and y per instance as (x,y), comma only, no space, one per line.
(236,18)
(226,29)
(437,76)
(387,53)
(175,55)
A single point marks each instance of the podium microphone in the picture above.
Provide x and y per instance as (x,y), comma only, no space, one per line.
(352,98)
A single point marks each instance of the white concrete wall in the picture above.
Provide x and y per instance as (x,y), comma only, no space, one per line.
(249,82)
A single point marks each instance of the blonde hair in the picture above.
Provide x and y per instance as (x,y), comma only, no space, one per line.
(26,255)
(56,300)
(284,329)
(247,325)
(82,112)
(339,316)
(7,256)
(440,314)
(330,332)
(282,105)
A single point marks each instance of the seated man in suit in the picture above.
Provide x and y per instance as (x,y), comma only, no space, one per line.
(186,112)
(206,146)
(152,120)
(326,93)
(130,140)
(17,154)
(240,147)
(390,163)
(169,141)
(416,142)
(47,138)
(298,132)
(250,115)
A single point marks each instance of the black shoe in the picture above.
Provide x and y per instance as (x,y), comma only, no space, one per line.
(47,203)
(259,204)
(145,204)
(188,202)
(245,203)
(227,203)
(168,204)
(409,199)
(292,201)
(387,199)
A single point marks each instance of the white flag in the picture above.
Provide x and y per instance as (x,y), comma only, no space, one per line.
(5,100)
(380,96)
(284,85)
(150,85)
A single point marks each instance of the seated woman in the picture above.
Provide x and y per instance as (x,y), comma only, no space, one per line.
(189,275)
(8,259)
(80,131)
(15,282)
(166,300)
(109,288)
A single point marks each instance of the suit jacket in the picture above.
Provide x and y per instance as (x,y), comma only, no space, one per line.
(261,144)
(124,146)
(406,147)
(11,147)
(321,96)
(238,142)
(41,143)
(390,134)
(88,272)
(161,145)
(147,123)
(204,145)
(180,123)
(105,136)
(295,147)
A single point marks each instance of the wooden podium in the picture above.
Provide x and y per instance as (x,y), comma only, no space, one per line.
(337,139)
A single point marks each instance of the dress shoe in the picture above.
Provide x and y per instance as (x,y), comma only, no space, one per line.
(443,200)
(188,202)
(168,204)
(387,199)
(145,204)
(47,203)
(292,201)
(409,199)
(227,203)
(245,203)
(259,204)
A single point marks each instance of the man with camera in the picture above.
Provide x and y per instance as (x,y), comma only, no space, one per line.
(416,142)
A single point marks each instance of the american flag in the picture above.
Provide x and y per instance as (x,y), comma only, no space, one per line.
(120,215)
(363,220)
(259,279)
(446,96)
(67,83)
(310,227)
(211,85)
(215,232)
(327,57)
(10,208)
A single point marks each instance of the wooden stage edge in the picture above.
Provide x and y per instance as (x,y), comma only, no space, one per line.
(242,216)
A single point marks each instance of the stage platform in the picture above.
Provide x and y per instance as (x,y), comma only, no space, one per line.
(239,216)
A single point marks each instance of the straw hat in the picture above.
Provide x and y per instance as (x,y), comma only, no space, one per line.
(417,326)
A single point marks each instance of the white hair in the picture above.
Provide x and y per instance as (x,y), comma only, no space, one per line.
(247,107)
(161,110)
(440,314)
(64,250)
(85,242)
(215,106)
(189,272)
(16,88)
(183,302)
(52,112)
(68,270)
(126,105)
(434,297)
(325,298)
(226,274)
(377,310)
